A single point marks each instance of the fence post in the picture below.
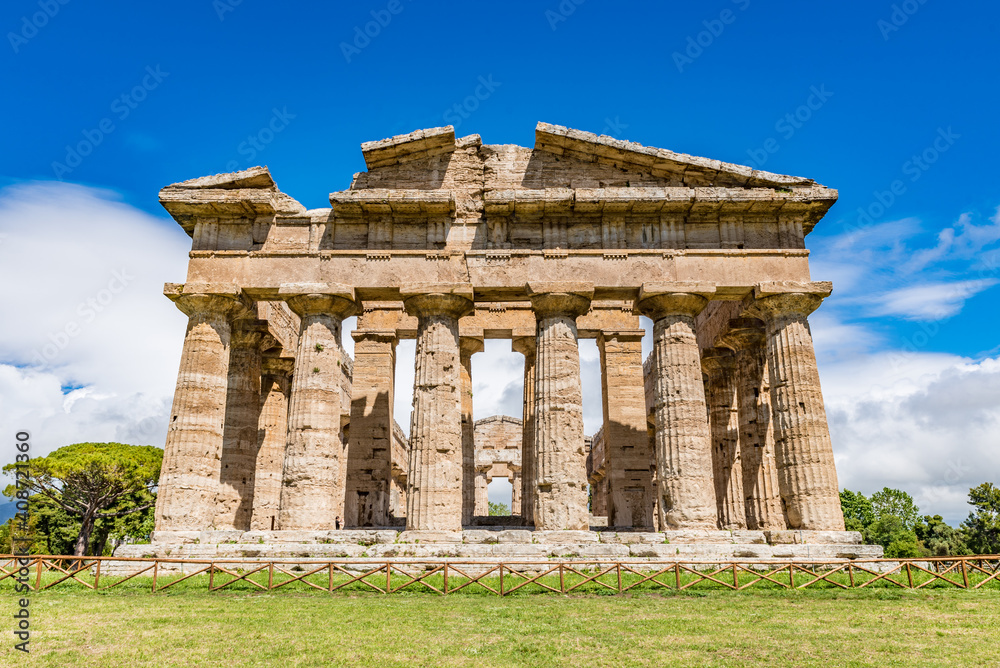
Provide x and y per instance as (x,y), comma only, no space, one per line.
(38,574)
(156,567)
(97,573)
(446,578)
(965,573)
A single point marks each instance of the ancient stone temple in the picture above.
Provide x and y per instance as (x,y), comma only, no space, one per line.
(449,241)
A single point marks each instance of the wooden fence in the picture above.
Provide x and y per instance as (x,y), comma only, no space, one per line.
(501,578)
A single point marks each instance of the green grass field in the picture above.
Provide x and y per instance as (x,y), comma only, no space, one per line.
(189,626)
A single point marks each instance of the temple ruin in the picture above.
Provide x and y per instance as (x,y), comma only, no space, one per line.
(277,433)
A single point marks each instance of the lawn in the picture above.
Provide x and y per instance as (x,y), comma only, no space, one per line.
(192,627)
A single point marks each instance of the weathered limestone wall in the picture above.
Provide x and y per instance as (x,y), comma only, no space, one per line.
(498,455)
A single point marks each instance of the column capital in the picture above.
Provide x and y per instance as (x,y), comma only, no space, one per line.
(791,303)
(717,360)
(199,299)
(375,335)
(742,334)
(623,335)
(569,298)
(789,297)
(451,299)
(658,300)
(277,366)
(470,345)
(526,345)
(319,298)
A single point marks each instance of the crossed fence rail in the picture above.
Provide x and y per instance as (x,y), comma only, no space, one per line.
(501,578)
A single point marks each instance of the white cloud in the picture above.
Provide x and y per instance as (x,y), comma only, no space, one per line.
(91,347)
(930,301)
(925,423)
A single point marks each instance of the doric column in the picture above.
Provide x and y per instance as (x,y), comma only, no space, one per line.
(482,484)
(189,481)
(434,494)
(686,489)
(807,477)
(369,443)
(629,478)
(312,492)
(275,386)
(468,346)
(515,492)
(560,450)
(526,346)
(760,477)
(234,503)
(720,365)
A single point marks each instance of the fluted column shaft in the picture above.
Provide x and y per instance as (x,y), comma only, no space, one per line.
(369,449)
(276,382)
(807,476)
(234,503)
(313,477)
(434,483)
(527,347)
(685,482)
(189,480)
(482,484)
(720,364)
(468,346)
(760,477)
(628,455)
(560,464)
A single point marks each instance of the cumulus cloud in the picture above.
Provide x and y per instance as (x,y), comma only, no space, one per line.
(930,301)
(91,347)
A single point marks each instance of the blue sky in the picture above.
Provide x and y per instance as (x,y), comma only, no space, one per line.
(857,95)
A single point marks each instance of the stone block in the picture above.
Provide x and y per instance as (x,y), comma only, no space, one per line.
(228,536)
(744,536)
(602,550)
(430,537)
(630,537)
(519,551)
(173,537)
(478,536)
(830,537)
(782,537)
(515,536)
(653,551)
(699,536)
(565,537)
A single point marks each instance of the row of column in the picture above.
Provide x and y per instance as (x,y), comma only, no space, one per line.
(700,479)
(224,394)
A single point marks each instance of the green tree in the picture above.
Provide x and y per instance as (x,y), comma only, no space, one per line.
(982,527)
(498,509)
(86,486)
(858,513)
(940,539)
(895,503)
